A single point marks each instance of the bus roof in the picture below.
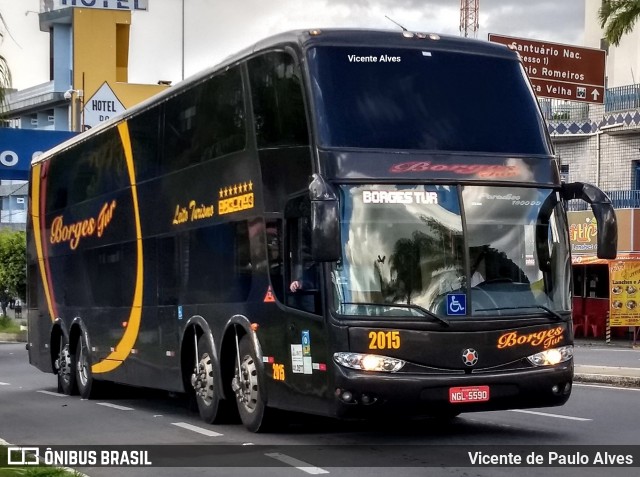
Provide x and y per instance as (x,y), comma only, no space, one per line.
(306,39)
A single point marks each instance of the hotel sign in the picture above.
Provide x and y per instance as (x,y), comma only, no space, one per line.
(102,106)
(560,71)
(135,5)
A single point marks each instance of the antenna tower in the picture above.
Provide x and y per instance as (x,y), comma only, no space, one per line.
(469,17)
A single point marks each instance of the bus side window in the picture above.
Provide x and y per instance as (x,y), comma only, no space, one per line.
(205,122)
(302,273)
(280,125)
(167,270)
(278,104)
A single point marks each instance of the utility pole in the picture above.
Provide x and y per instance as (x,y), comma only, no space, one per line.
(469,16)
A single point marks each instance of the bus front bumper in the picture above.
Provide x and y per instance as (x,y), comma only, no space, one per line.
(361,394)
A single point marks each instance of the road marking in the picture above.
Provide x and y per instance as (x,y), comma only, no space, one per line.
(51,393)
(559,416)
(115,406)
(4,384)
(604,386)
(298,464)
(199,430)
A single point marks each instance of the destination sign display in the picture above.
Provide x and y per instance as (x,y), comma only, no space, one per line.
(568,72)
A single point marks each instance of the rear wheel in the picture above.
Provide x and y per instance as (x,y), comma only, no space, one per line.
(255,415)
(84,377)
(204,380)
(64,366)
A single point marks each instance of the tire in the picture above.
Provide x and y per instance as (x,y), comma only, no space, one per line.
(205,381)
(84,377)
(65,369)
(447,416)
(255,415)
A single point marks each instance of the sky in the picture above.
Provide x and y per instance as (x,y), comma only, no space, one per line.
(215,29)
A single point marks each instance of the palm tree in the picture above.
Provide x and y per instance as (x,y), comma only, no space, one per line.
(5,74)
(618,17)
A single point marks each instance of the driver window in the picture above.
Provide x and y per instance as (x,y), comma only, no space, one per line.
(301,287)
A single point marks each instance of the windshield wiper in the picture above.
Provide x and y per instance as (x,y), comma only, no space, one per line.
(403,306)
(549,311)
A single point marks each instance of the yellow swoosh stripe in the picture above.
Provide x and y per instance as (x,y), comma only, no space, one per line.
(124,347)
(35,221)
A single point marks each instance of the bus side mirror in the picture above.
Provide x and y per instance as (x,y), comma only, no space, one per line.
(325,221)
(603,211)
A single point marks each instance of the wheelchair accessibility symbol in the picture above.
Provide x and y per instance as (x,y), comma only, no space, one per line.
(456,304)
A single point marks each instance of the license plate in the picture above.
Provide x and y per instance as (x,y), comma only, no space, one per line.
(469,394)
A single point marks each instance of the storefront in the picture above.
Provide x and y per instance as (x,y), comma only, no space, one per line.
(602,287)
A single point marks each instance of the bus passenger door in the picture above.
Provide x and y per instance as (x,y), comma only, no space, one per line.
(306,333)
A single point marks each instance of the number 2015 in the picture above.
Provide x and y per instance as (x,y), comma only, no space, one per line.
(384,340)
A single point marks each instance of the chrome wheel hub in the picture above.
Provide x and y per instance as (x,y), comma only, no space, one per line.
(64,364)
(202,379)
(83,366)
(245,384)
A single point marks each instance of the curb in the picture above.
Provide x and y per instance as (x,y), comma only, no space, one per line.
(617,376)
(622,381)
(14,337)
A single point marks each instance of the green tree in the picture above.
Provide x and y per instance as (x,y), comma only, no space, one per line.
(13,263)
(618,17)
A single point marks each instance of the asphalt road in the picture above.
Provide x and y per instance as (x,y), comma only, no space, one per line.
(599,354)
(606,418)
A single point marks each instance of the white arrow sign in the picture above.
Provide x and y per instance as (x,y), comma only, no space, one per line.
(103,105)
(595,94)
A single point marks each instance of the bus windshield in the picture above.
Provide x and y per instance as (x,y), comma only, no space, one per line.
(445,252)
(419,99)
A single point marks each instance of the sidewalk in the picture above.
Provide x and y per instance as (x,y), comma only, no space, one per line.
(616,363)
(14,337)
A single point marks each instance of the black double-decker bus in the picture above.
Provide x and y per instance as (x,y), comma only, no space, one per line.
(346,223)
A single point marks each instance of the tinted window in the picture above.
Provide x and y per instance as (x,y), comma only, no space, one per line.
(204,252)
(301,289)
(98,277)
(111,274)
(426,100)
(168,266)
(278,105)
(94,167)
(144,132)
(205,122)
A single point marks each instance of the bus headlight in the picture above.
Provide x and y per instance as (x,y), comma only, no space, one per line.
(368,362)
(552,356)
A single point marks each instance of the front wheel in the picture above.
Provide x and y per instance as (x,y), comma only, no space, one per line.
(254,414)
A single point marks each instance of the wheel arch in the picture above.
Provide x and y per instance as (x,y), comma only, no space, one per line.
(241,326)
(58,330)
(195,327)
(76,329)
